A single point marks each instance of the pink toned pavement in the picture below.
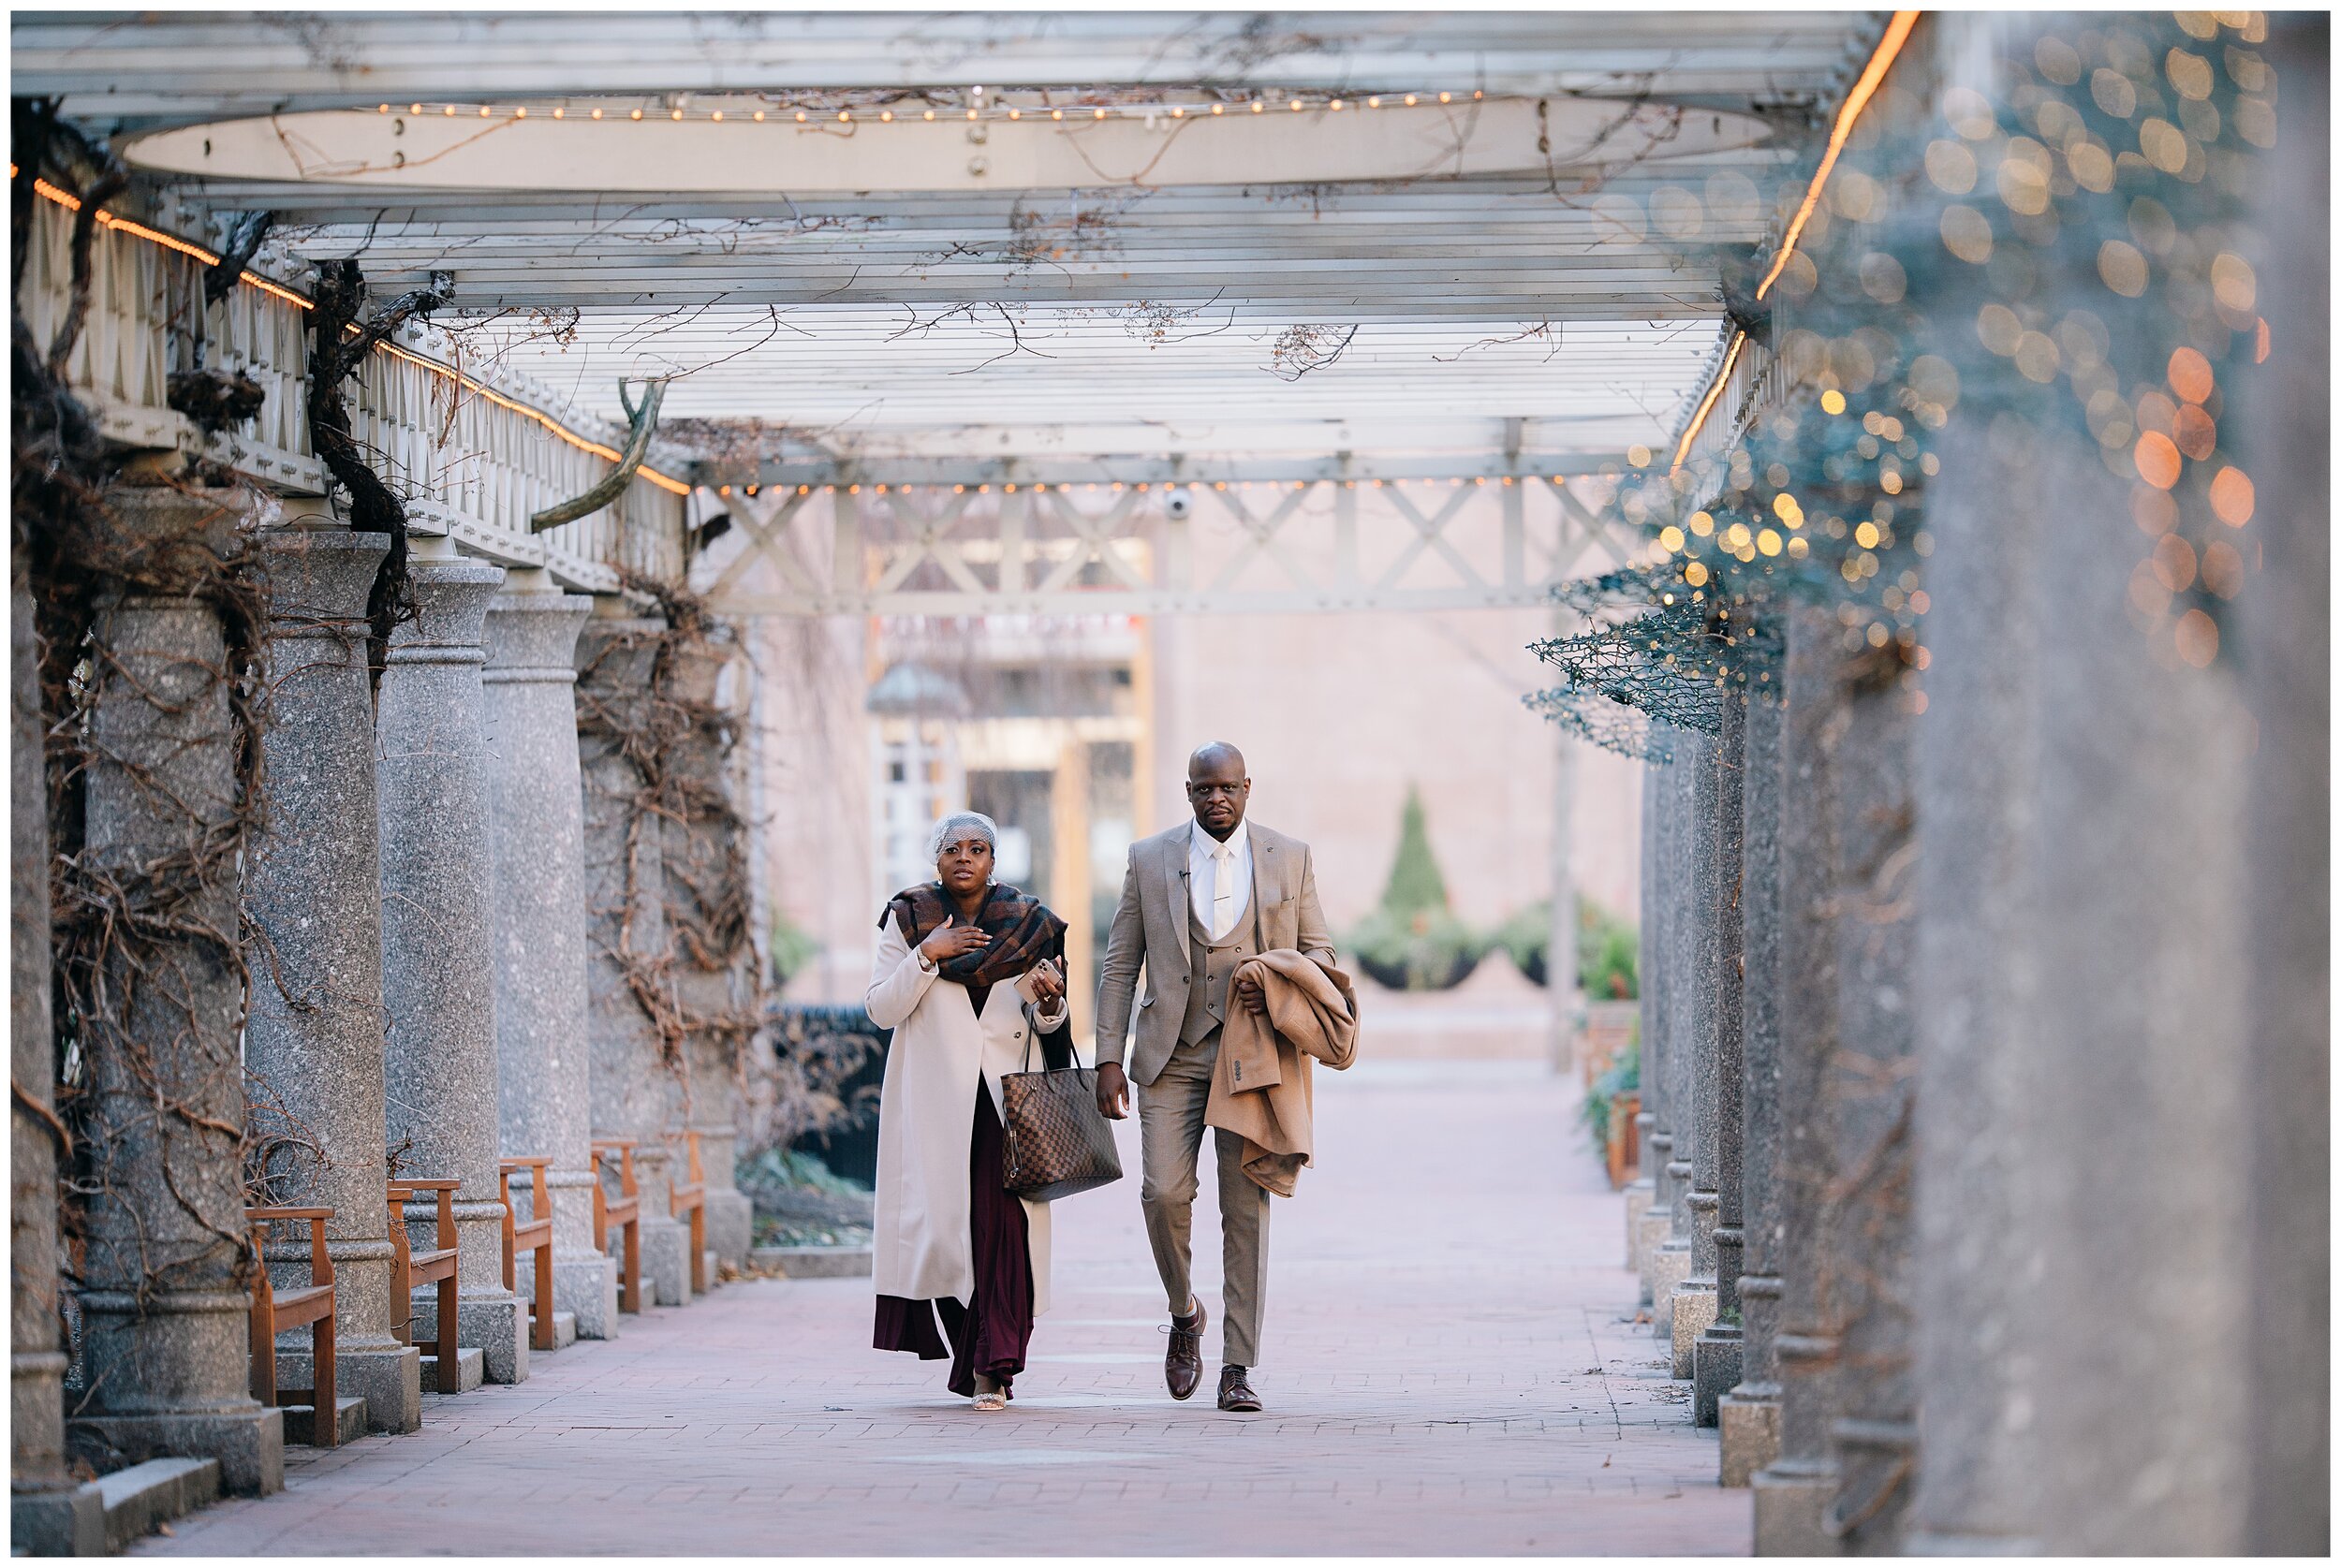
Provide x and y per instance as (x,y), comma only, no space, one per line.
(1446,1372)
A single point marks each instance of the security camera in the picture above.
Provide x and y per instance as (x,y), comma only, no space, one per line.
(1179,505)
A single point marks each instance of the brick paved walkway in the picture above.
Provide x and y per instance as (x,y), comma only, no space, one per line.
(1447,1372)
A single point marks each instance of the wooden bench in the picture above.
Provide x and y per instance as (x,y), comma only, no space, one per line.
(536,1236)
(690,1198)
(625,1213)
(410,1269)
(310,1307)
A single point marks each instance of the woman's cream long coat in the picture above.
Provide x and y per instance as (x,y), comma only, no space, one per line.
(926,1113)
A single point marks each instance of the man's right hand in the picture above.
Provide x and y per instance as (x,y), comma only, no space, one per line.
(1114,1091)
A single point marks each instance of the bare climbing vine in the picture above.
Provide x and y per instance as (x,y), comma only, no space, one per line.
(148,970)
(676,744)
(342,337)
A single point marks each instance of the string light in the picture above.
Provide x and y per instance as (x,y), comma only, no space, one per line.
(978,111)
(1872,75)
(1707,403)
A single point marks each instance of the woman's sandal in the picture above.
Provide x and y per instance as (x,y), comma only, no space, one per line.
(992,1399)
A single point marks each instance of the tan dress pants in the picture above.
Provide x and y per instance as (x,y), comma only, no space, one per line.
(1170,1131)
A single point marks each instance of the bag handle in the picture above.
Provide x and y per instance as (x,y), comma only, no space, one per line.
(1032,1033)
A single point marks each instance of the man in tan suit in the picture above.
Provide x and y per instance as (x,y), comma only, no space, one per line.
(1196,901)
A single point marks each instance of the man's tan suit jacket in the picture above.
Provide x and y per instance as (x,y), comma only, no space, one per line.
(1150,932)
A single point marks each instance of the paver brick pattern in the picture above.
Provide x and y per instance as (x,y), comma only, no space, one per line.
(1450,1368)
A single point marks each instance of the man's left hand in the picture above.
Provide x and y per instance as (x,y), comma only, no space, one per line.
(1249,991)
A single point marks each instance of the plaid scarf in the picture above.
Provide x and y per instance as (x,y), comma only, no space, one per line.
(1022,928)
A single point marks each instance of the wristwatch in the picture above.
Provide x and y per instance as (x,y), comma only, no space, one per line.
(926,964)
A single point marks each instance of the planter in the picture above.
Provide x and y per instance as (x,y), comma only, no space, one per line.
(1609,1025)
(1394,975)
(1624,1146)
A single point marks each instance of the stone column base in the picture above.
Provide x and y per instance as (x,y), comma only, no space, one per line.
(1876,1463)
(1693,1315)
(730,1226)
(587,1289)
(1670,1265)
(1715,1372)
(1791,1498)
(497,1326)
(1750,1429)
(69,1522)
(390,1380)
(248,1443)
(666,1262)
(1638,1200)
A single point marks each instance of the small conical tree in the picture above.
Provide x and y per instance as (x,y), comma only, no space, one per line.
(1415,884)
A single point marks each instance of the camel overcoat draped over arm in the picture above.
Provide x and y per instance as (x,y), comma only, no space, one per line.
(920,1250)
(1259,1087)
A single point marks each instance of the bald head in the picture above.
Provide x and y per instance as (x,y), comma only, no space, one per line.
(1217,788)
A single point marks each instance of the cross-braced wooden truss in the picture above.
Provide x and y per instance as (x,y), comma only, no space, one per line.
(883,548)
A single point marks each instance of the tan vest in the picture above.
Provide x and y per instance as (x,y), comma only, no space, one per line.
(1211,965)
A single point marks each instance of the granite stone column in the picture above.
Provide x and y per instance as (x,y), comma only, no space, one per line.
(1699,949)
(165,1282)
(1665,1262)
(1749,1414)
(50,1515)
(1848,848)
(536,833)
(705,865)
(1716,1354)
(2288,682)
(1793,1491)
(2118,948)
(1639,1192)
(313,903)
(635,1088)
(1866,1236)
(1686,1001)
(439,966)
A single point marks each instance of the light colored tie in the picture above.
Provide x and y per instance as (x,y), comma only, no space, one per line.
(1222,889)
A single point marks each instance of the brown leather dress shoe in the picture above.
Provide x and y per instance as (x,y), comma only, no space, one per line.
(1183,1363)
(1235,1390)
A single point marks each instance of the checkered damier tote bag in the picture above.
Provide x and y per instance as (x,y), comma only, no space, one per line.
(1056,1142)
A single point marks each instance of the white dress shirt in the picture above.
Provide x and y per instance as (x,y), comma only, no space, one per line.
(1219,877)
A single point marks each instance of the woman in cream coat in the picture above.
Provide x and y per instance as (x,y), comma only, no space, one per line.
(969,976)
